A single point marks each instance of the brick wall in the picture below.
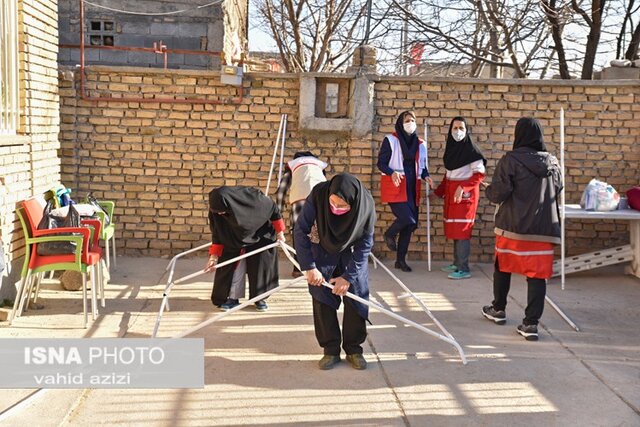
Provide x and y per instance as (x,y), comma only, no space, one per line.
(602,122)
(195,29)
(29,163)
(158,161)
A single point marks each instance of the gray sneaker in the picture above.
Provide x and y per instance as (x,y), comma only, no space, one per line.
(529,332)
(497,316)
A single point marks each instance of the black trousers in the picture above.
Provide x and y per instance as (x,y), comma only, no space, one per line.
(354,329)
(262,270)
(536,291)
(325,320)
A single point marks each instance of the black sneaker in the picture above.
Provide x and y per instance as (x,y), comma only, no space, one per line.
(261,306)
(391,242)
(529,332)
(497,316)
(229,304)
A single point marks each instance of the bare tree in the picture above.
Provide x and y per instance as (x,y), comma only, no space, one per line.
(558,15)
(314,35)
(593,19)
(508,34)
(630,10)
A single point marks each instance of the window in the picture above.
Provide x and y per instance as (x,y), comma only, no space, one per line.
(102,33)
(9,96)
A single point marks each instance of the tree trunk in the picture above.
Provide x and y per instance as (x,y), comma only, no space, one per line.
(556,33)
(593,39)
(632,50)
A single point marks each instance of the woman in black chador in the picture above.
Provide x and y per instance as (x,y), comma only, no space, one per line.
(333,238)
(242,219)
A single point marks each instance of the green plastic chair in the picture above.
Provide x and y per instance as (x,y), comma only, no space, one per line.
(107,232)
(82,260)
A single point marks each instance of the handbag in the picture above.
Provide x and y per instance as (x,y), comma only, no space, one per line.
(50,222)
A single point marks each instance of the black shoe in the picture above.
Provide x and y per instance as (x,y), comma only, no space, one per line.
(497,316)
(262,306)
(231,303)
(403,266)
(529,332)
(328,362)
(357,361)
(391,242)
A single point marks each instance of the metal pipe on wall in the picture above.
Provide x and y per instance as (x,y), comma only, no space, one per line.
(85,97)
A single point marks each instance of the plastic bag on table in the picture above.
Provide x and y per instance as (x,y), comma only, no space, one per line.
(599,196)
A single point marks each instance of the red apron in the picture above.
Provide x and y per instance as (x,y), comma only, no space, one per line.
(460,217)
(531,259)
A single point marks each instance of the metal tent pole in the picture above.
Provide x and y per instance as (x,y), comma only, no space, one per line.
(448,339)
(167,291)
(273,158)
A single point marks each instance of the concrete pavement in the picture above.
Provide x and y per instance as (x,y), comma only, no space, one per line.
(260,368)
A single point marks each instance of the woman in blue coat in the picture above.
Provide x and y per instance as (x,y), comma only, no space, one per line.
(402,161)
(333,238)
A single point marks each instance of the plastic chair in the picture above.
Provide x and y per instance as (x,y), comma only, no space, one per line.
(82,260)
(107,232)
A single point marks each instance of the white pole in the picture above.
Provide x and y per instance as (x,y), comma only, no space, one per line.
(238,307)
(284,138)
(273,158)
(448,339)
(426,144)
(562,200)
(167,290)
(561,313)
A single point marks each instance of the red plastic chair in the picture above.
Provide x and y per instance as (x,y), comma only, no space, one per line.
(86,257)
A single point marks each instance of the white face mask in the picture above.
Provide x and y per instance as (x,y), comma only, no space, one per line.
(458,134)
(410,127)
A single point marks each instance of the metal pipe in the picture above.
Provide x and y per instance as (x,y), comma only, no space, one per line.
(147,49)
(167,290)
(275,153)
(227,262)
(562,201)
(448,339)
(561,313)
(426,184)
(284,138)
(238,307)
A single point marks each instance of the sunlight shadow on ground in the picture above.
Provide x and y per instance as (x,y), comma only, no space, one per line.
(506,398)
(433,301)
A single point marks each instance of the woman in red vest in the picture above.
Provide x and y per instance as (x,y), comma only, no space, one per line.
(527,184)
(465,170)
(402,161)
